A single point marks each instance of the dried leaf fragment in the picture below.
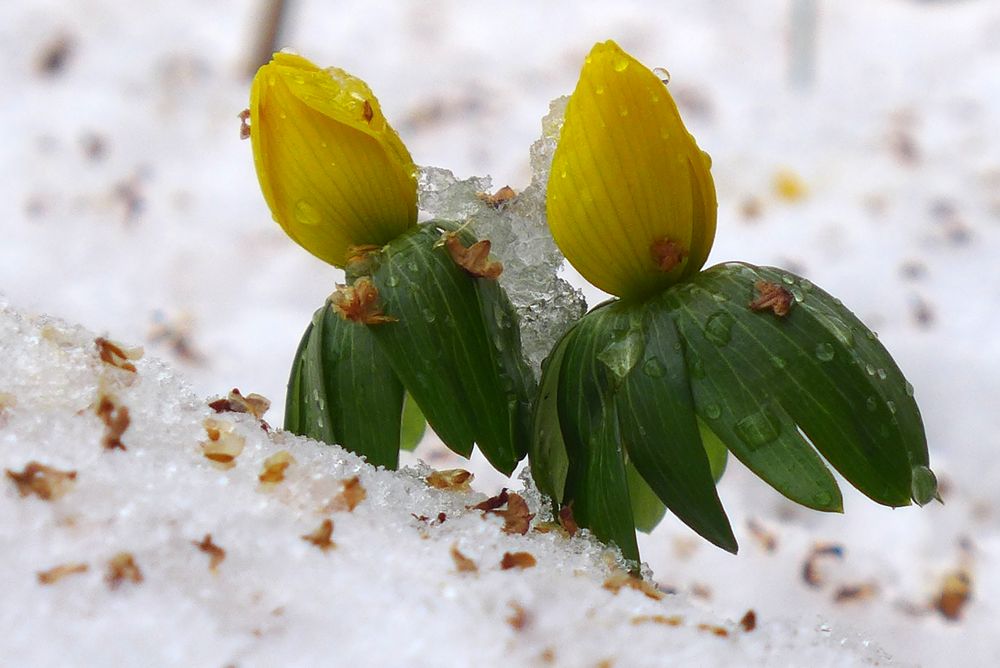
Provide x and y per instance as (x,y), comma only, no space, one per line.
(116,354)
(359,303)
(320,537)
(956,590)
(223,445)
(57,573)
(516,518)
(253,403)
(810,569)
(720,631)
(367,113)
(765,538)
(453,480)
(275,466)
(474,260)
(499,198)
(620,579)
(121,568)
(672,620)
(858,592)
(215,553)
(748,622)
(351,494)
(462,563)
(772,296)
(493,502)
(116,420)
(244,117)
(567,521)
(519,617)
(667,254)
(45,482)
(517,560)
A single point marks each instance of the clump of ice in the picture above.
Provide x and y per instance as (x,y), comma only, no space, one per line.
(383,590)
(546,304)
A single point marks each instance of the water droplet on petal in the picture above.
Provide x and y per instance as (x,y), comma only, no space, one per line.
(620,64)
(719,328)
(623,111)
(662,74)
(664,134)
(599,90)
(653,368)
(306,213)
(706,160)
(824,352)
(758,429)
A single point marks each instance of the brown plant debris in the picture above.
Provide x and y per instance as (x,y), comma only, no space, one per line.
(352,493)
(116,420)
(516,518)
(517,560)
(499,198)
(122,568)
(748,622)
(567,521)
(43,481)
(475,259)
(493,502)
(672,620)
(453,480)
(223,445)
(215,553)
(367,113)
(462,563)
(359,257)
(320,537)
(519,617)
(620,579)
(810,569)
(176,334)
(116,354)
(275,466)
(7,401)
(720,631)
(53,58)
(763,536)
(855,592)
(359,303)
(771,296)
(667,254)
(253,403)
(956,590)
(548,655)
(57,573)
(244,117)
(702,591)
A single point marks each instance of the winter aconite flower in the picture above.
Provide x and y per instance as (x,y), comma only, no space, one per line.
(332,170)
(631,202)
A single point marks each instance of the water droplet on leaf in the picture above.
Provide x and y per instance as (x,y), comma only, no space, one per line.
(622,354)
(758,429)
(872,404)
(719,328)
(923,487)
(653,368)
(908,389)
(712,411)
(824,352)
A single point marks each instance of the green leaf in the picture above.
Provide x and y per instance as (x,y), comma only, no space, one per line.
(455,363)
(343,390)
(546,450)
(660,430)
(413,425)
(742,412)
(718,454)
(835,380)
(596,480)
(647,509)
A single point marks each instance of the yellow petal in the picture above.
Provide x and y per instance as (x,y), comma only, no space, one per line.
(332,170)
(628,181)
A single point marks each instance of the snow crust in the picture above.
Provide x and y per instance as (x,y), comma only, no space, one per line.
(388,592)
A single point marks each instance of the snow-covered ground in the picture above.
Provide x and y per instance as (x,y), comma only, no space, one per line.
(866,158)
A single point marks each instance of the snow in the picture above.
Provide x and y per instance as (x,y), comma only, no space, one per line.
(130,206)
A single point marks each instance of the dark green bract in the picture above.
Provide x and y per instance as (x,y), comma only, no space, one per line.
(636,398)
(454,346)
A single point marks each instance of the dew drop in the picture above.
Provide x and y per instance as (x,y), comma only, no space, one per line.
(662,74)
(870,369)
(806,284)
(623,111)
(788,280)
(872,404)
(712,411)
(412,266)
(599,90)
(306,213)
(891,405)
(824,352)
(908,389)
(778,362)
(620,64)
(706,160)
(695,366)
(719,297)
(392,281)
(822,499)
(923,487)
(882,375)
(429,315)
(758,429)
(798,294)
(622,354)
(653,368)
(719,328)
(664,134)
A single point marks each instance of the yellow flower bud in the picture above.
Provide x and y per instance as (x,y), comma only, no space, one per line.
(631,201)
(332,170)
